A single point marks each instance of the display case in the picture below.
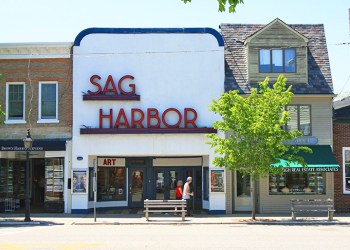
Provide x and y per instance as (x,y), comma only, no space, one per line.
(54,179)
(298,183)
(12,179)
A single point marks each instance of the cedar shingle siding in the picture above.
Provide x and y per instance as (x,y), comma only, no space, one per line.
(319,80)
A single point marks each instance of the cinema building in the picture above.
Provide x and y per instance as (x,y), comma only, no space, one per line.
(140,116)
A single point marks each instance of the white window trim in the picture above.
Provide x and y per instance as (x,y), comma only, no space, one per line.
(343,156)
(13,121)
(41,120)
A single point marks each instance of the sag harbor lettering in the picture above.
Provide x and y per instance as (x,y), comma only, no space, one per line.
(150,118)
(154,119)
(110,86)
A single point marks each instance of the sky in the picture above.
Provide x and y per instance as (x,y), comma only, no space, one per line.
(43,21)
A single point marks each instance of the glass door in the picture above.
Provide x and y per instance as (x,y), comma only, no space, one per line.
(137,186)
(165,183)
(242,192)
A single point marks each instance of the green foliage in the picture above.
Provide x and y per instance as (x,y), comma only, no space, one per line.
(222,4)
(254,130)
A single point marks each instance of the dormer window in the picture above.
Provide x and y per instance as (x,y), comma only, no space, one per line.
(277,60)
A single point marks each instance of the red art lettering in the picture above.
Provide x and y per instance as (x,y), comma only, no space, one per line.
(109,162)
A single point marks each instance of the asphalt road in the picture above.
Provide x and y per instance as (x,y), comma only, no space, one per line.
(240,236)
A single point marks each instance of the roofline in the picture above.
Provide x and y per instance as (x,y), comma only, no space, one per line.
(36,45)
(89,31)
(272,22)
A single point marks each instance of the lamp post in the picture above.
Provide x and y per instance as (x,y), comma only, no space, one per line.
(28,142)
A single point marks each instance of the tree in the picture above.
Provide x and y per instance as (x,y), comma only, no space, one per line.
(255,137)
(222,4)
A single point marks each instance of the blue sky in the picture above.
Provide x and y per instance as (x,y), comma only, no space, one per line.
(60,21)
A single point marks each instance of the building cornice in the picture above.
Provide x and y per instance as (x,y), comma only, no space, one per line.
(35,50)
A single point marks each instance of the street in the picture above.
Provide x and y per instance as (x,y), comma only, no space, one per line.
(233,236)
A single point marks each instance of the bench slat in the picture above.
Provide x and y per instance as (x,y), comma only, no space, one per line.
(298,206)
(165,206)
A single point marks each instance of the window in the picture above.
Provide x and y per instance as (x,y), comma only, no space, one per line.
(48,107)
(298,183)
(15,102)
(277,60)
(111,184)
(300,118)
(346,170)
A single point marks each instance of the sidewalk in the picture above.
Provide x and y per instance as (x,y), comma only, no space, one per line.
(167,219)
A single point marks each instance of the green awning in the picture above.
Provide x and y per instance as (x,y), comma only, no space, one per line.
(321,160)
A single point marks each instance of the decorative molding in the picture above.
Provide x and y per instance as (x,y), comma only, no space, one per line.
(32,50)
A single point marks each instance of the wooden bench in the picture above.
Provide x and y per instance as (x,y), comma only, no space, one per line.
(302,206)
(165,206)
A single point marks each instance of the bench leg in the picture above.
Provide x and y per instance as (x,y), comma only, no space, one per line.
(293,215)
(183,215)
(147,216)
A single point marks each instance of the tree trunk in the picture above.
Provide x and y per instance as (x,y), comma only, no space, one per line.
(252,192)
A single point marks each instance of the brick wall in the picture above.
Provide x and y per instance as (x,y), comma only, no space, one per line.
(31,71)
(341,138)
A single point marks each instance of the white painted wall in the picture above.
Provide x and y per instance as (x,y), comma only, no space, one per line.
(179,71)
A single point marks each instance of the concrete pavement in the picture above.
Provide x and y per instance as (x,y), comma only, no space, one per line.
(166,219)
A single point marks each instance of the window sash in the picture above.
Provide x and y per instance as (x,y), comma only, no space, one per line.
(15,101)
(48,101)
(277,60)
(300,119)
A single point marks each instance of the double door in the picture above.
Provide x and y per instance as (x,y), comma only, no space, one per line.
(166,180)
(148,182)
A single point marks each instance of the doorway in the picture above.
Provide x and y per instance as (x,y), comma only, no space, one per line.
(137,186)
(196,185)
(165,183)
(137,181)
(242,198)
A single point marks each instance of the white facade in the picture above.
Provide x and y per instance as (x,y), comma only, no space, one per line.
(172,68)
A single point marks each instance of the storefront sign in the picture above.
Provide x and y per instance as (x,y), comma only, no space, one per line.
(110,162)
(310,169)
(303,140)
(38,145)
(15,148)
(154,119)
(110,86)
(138,118)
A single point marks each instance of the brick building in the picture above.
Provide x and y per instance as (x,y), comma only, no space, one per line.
(35,93)
(341,146)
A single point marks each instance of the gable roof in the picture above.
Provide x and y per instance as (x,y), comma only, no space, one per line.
(236,70)
(279,21)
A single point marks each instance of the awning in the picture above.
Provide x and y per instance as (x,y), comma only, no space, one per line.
(321,160)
